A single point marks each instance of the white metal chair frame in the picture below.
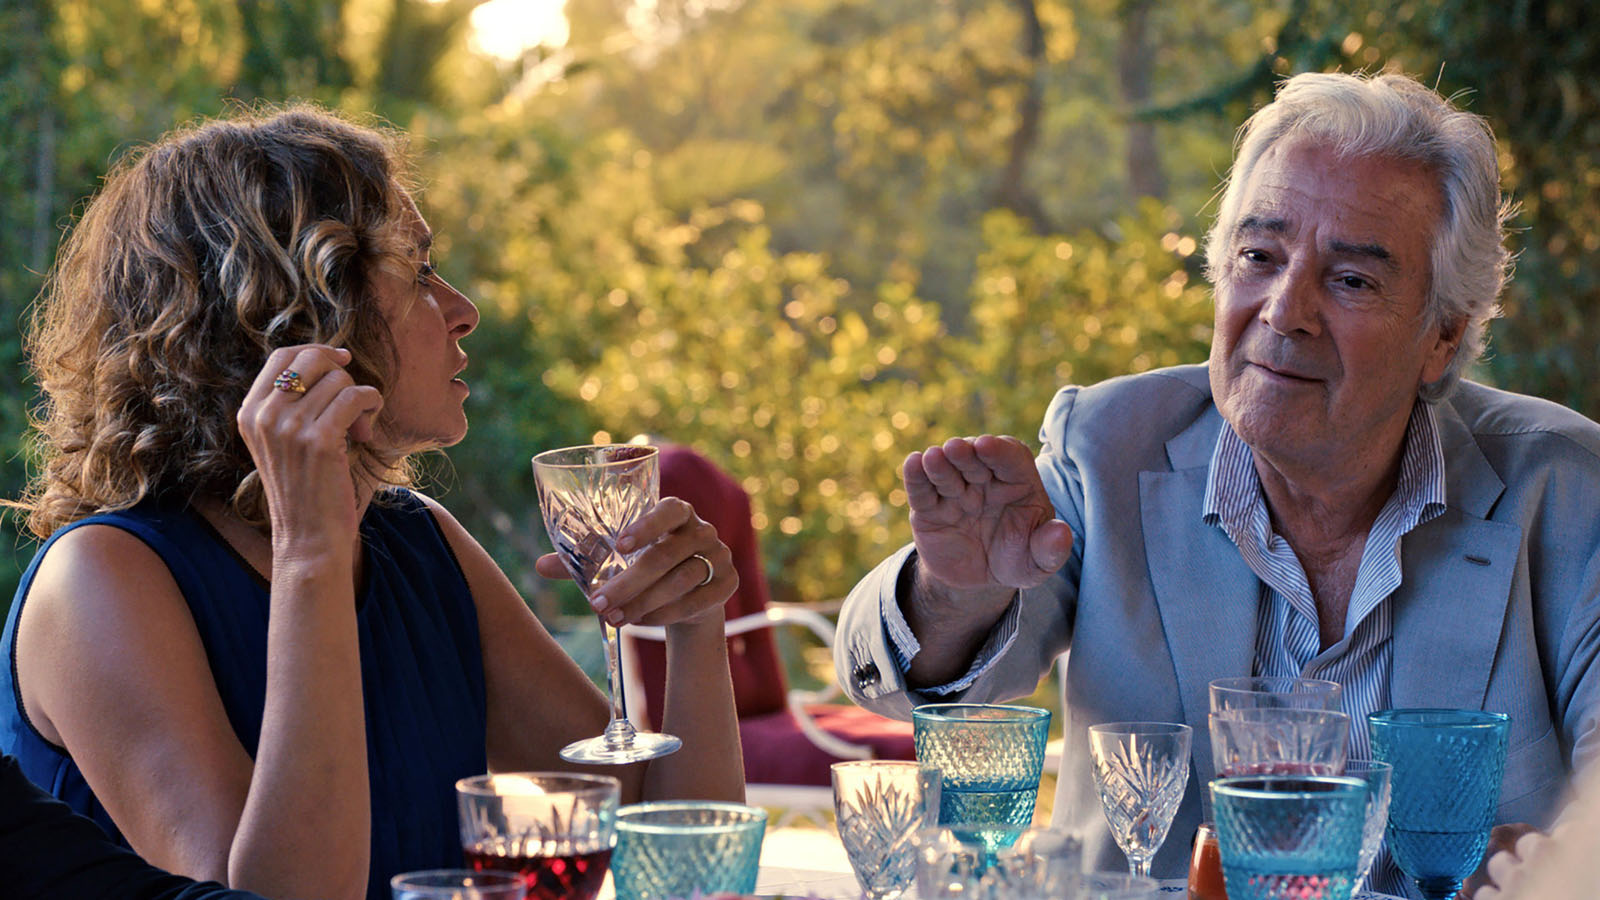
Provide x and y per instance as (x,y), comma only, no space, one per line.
(775,614)
(796,801)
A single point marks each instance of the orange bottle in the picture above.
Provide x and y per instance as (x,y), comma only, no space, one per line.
(1205,866)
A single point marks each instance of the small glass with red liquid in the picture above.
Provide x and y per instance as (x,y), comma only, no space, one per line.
(555,829)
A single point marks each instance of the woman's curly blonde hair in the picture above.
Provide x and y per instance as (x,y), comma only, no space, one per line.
(201,254)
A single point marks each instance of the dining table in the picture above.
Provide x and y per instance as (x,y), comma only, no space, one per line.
(807,861)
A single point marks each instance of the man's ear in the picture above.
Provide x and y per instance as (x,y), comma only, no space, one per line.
(1447,340)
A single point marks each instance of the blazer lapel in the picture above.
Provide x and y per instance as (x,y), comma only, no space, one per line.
(1451,606)
(1206,594)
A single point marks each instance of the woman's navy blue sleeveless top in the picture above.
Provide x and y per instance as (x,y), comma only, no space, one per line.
(421,671)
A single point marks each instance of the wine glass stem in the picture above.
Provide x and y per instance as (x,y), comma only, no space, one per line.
(1140,866)
(619,732)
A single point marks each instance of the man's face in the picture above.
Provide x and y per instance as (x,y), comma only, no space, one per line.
(1321,338)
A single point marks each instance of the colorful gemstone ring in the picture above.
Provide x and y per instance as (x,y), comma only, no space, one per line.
(289,382)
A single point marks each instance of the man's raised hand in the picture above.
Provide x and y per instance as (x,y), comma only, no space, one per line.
(980,516)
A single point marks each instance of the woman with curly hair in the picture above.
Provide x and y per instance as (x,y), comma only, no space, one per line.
(248,646)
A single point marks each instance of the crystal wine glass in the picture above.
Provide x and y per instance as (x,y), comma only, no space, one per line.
(589,494)
(1141,770)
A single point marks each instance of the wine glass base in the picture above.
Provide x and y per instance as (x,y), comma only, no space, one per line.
(644,745)
(1439,888)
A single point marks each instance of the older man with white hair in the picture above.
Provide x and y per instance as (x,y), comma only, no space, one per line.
(1326,498)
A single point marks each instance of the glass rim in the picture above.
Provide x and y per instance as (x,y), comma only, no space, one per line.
(881,764)
(1293,714)
(1374,765)
(1236,684)
(1140,728)
(651,450)
(462,878)
(1429,717)
(1239,786)
(572,784)
(745,817)
(948,712)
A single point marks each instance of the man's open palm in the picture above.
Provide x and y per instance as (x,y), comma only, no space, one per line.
(980,515)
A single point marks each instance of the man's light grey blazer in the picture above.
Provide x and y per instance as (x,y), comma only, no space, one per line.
(1499,608)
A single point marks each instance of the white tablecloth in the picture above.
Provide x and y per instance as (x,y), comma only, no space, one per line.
(810,862)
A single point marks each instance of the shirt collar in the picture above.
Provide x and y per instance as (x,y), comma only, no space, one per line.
(1233,488)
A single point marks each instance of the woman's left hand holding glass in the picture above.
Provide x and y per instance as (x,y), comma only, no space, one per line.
(680,578)
(683,574)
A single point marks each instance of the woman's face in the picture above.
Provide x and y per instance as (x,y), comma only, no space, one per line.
(427,318)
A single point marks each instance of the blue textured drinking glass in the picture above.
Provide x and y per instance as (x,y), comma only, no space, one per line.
(989,757)
(1448,764)
(685,848)
(1289,836)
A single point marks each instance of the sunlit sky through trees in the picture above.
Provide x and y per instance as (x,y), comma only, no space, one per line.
(505,28)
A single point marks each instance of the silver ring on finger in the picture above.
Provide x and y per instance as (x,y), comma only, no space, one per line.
(711,571)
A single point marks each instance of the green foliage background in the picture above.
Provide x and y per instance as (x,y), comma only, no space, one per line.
(805,236)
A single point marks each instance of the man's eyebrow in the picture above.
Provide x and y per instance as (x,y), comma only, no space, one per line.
(1375,252)
(1254,223)
(425,243)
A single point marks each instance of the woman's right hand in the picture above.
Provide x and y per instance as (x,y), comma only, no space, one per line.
(300,441)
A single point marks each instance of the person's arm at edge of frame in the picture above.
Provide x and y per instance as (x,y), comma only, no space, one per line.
(48,851)
(1510,843)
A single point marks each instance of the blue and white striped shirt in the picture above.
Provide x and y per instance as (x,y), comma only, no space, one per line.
(1287,639)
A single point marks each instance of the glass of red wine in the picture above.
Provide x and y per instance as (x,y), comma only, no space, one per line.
(555,829)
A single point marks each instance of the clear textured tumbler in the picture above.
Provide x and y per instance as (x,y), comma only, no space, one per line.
(687,848)
(1448,764)
(989,758)
(1279,741)
(1037,863)
(1289,836)
(1273,691)
(879,806)
(1378,776)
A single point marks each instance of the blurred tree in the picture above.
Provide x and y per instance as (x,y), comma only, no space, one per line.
(806,236)
(1533,68)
